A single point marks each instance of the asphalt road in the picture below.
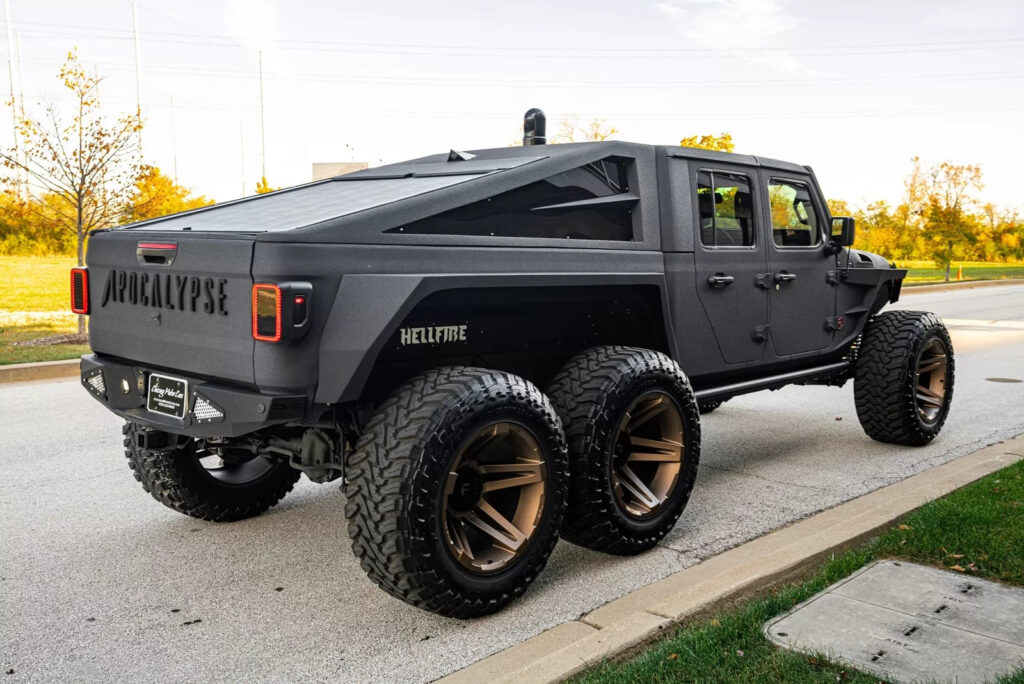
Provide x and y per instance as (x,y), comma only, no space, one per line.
(99,582)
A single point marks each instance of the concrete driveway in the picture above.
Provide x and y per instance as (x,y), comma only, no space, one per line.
(99,582)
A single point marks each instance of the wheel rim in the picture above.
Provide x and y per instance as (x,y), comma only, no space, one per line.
(229,469)
(930,380)
(647,454)
(494,497)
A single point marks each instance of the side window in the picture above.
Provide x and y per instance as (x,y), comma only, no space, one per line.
(794,220)
(560,206)
(726,209)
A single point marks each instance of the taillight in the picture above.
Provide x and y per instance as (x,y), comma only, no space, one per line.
(80,290)
(266,312)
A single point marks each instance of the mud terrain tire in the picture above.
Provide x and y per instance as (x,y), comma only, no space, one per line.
(400,478)
(592,394)
(899,400)
(178,480)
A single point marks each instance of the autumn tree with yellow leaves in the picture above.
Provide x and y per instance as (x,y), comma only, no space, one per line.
(718,143)
(155,195)
(79,173)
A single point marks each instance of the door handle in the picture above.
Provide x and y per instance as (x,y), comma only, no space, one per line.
(720,280)
(784,277)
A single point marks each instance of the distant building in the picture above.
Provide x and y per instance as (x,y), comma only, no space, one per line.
(331,169)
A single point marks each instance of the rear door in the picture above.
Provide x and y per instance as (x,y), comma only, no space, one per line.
(730,259)
(802,300)
(173,301)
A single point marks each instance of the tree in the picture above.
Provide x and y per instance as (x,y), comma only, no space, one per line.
(155,194)
(263,187)
(719,143)
(85,168)
(570,131)
(950,229)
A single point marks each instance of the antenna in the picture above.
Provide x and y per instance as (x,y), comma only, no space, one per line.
(241,139)
(174,139)
(21,75)
(263,121)
(138,79)
(10,73)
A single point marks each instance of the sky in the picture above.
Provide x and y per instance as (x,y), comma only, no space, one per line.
(854,89)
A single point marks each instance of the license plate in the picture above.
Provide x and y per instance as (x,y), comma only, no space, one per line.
(167,395)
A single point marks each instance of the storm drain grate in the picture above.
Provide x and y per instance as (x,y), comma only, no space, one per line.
(911,623)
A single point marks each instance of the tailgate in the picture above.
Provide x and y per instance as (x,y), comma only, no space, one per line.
(173,301)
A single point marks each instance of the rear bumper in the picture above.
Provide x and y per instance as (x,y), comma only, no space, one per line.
(123,391)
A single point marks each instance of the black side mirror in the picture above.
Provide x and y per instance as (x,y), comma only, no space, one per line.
(843,231)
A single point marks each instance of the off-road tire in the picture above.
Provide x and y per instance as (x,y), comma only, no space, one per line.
(709,405)
(884,380)
(178,480)
(396,477)
(591,393)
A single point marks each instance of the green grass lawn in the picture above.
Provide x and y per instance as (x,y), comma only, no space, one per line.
(34,303)
(977,530)
(925,271)
(35,283)
(11,353)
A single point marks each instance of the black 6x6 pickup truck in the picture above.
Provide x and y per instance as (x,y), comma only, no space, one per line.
(490,348)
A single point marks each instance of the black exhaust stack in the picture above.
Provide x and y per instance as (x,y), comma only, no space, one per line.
(534,128)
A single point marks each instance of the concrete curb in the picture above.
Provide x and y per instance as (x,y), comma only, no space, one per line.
(787,554)
(959,285)
(43,370)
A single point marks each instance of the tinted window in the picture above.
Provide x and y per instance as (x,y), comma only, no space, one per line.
(726,209)
(536,210)
(794,220)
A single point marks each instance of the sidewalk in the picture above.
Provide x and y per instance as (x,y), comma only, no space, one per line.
(783,556)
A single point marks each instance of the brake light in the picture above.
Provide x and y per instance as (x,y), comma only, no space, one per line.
(80,290)
(266,312)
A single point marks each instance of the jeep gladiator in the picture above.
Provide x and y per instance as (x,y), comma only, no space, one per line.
(490,349)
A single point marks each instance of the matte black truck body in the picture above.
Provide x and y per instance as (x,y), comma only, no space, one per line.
(522,303)
(492,349)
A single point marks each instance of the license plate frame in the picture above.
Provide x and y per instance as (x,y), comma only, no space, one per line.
(167,402)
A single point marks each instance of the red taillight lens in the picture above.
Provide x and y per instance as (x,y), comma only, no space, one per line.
(266,312)
(80,290)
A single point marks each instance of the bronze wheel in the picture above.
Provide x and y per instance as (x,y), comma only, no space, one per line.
(634,438)
(648,454)
(493,497)
(930,380)
(903,378)
(457,488)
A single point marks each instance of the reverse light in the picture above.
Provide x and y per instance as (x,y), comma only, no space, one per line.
(80,290)
(266,312)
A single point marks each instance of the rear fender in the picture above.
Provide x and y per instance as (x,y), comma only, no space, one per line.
(385,328)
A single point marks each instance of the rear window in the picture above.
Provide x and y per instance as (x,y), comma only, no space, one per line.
(726,209)
(591,202)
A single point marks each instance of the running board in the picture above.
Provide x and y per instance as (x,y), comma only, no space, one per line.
(773,382)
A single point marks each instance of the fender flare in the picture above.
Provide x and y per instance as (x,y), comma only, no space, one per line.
(369,308)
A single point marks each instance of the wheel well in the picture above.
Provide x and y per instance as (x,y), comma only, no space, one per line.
(528,331)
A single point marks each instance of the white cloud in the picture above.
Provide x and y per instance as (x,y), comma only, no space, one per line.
(737,25)
(990,15)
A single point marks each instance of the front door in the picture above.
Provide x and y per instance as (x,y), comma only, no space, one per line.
(802,300)
(731,260)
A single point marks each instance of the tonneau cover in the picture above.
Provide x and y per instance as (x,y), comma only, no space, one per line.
(309,204)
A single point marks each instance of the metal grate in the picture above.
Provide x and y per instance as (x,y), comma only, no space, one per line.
(97,384)
(204,410)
